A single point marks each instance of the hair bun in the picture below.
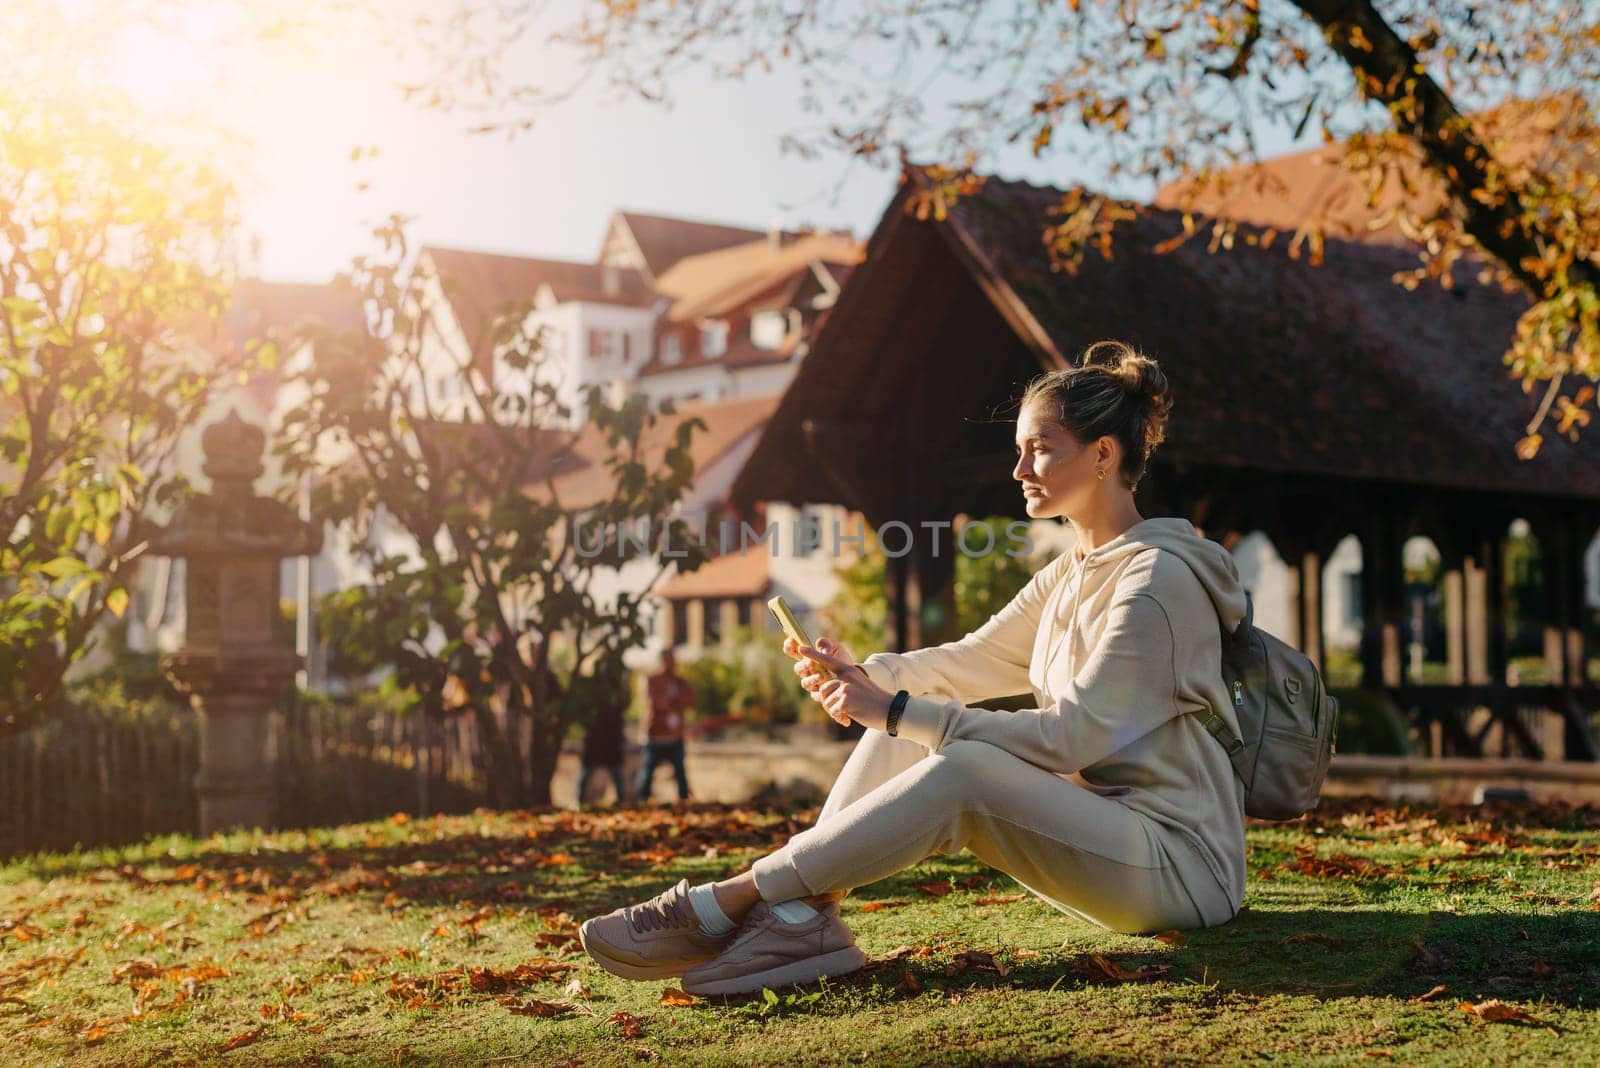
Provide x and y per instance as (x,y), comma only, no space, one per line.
(1137,373)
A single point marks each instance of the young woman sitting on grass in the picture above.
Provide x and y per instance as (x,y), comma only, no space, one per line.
(1109,800)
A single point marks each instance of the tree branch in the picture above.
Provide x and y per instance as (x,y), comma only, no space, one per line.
(1388,70)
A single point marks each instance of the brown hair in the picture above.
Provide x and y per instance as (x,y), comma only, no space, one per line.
(1112,390)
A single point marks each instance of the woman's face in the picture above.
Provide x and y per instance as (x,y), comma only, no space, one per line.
(1056,470)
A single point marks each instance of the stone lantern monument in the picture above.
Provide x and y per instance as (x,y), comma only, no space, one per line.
(233,663)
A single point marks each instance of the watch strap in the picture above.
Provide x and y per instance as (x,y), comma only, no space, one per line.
(891,726)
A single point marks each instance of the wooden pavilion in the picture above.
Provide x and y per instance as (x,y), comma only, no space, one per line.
(1313,402)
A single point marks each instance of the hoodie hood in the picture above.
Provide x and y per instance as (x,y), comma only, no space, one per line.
(1211,563)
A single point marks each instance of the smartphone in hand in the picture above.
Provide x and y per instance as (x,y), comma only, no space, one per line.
(791,626)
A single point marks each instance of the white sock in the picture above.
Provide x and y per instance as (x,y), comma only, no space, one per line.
(794,912)
(713,921)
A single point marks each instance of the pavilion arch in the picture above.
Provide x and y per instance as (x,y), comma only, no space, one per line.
(1265,574)
(1342,616)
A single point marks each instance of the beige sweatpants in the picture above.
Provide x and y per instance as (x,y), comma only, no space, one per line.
(895,804)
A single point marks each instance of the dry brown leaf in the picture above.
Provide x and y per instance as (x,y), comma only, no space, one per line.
(1541,970)
(1442,988)
(999,899)
(908,984)
(1172,938)
(536,1008)
(139,968)
(938,889)
(972,880)
(1311,936)
(874,906)
(1024,954)
(575,989)
(1496,1011)
(630,1025)
(243,1038)
(1111,970)
(675,997)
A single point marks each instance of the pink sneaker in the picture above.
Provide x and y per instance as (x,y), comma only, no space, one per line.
(766,952)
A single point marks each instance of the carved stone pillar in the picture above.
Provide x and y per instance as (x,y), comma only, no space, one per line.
(233,664)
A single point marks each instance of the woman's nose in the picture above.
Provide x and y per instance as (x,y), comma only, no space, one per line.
(1022,470)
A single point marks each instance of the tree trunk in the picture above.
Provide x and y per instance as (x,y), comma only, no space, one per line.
(502,764)
(1387,69)
(544,750)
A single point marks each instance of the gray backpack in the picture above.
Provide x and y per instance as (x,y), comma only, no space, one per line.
(1287,718)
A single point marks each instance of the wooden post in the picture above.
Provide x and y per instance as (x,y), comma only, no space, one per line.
(1454,626)
(1475,589)
(1310,602)
(1498,606)
(695,623)
(1381,604)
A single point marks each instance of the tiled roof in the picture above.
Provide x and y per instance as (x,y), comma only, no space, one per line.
(480,284)
(717,283)
(1287,192)
(735,574)
(1277,366)
(584,479)
(664,240)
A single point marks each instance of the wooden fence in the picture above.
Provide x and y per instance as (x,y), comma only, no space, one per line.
(95,778)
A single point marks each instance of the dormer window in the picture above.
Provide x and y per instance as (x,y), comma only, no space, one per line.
(671,349)
(713,338)
(768,328)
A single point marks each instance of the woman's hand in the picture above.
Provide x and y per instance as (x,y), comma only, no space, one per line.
(850,694)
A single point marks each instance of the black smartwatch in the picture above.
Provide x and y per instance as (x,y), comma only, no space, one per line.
(891,726)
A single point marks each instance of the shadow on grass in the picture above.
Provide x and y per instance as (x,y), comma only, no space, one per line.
(1331,953)
(584,862)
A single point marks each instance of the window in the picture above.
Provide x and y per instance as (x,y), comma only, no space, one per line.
(627,346)
(680,621)
(742,612)
(604,344)
(713,338)
(671,348)
(713,617)
(768,328)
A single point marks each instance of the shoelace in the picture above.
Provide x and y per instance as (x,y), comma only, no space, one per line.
(658,914)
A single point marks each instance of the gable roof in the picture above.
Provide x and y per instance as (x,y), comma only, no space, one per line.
(663,240)
(716,283)
(583,480)
(1546,134)
(479,284)
(1276,366)
(733,574)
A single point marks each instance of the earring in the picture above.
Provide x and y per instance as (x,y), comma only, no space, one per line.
(1099,472)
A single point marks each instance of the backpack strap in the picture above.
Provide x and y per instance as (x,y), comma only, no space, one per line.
(1234,647)
(1218,728)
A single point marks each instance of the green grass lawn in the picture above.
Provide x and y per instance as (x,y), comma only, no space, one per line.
(452,940)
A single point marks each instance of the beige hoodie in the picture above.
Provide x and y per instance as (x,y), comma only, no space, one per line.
(1116,646)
